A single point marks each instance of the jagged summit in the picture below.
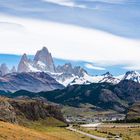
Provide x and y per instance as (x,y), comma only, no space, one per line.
(13,69)
(24,57)
(4,69)
(132,75)
(109,78)
(107,74)
(66,74)
(42,61)
(44,57)
(41,55)
(23,65)
(69,69)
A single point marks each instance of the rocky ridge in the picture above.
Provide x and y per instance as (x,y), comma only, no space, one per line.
(31,81)
(20,110)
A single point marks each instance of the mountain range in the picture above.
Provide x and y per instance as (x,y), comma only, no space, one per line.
(31,81)
(69,85)
(100,96)
(41,74)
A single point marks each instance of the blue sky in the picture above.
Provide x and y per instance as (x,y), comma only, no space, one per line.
(102,33)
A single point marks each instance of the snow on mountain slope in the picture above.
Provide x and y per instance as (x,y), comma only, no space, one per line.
(66,74)
(31,81)
(85,79)
(109,78)
(42,62)
(132,75)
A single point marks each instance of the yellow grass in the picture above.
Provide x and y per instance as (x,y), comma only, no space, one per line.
(64,134)
(126,131)
(15,132)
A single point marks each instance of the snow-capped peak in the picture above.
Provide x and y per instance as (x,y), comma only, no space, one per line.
(107,74)
(87,79)
(132,75)
(42,61)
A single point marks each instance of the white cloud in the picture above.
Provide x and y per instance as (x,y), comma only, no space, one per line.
(68,42)
(90,66)
(109,1)
(133,66)
(68,3)
(10,26)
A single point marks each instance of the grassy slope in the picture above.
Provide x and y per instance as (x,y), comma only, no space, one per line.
(14,132)
(126,131)
(37,131)
(134,111)
(84,111)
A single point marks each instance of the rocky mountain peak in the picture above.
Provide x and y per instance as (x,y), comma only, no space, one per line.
(67,68)
(4,69)
(132,75)
(107,74)
(13,69)
(44,57)
(23,65)
(24,57)
(45,49)
(79,71)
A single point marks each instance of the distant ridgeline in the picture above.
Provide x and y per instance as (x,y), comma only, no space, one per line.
(68,85)
(43,62)
(123,97)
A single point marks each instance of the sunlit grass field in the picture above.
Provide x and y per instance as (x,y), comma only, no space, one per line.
(37,131)
(110,131)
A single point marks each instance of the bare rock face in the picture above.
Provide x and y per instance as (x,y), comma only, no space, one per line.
(7,111)
(66,68)
(4,69)
(67,73)
(43,59)
(17,111)
(79,71)
(42,62)
(69,70)
(134,112)
(24,64)
(13,69)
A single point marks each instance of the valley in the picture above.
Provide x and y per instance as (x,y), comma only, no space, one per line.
(69,69)
(66,103)
(113,131)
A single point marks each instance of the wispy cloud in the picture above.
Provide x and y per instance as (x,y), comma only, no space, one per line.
(132,66)
(106,15)
(68,3)
(69,42)
(90,66)
(10,26)
(109,1)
